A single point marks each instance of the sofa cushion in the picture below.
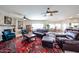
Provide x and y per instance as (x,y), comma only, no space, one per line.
(72,35)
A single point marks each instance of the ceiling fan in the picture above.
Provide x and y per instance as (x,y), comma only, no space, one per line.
(50,12)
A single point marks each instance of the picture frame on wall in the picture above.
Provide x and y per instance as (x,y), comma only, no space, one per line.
(20,24)
(7,20)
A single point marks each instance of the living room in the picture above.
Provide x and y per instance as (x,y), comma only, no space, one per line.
(58,23)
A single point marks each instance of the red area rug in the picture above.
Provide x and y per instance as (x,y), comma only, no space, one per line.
(36,47)
(18,45)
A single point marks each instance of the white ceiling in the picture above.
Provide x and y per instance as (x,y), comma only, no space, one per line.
(34,12)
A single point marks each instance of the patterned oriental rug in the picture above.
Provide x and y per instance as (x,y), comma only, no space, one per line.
(18,45)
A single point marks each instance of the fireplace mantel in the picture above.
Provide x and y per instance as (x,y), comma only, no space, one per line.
(8,25)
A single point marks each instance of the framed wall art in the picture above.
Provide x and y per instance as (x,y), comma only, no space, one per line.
(7,20)
(20,24)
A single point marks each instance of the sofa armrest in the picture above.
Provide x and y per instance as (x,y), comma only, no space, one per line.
(71,42)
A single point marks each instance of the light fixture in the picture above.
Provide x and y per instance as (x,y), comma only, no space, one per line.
(50,12)
(24,18)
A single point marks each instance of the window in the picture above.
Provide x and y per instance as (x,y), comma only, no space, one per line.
(74,24)
(64,26)
(52,26)
(58,26)
(37,26)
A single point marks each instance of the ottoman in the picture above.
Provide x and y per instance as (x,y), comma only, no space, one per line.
(48,41)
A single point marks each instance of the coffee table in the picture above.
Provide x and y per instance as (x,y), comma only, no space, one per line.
(30,36)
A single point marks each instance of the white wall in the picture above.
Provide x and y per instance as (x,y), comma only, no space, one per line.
(64,23)
(14,22)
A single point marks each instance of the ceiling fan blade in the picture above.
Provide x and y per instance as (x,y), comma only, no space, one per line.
(51,11)
(55,11)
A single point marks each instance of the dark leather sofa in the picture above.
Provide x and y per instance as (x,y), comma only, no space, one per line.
(69,42)
(40,32)
(8,35)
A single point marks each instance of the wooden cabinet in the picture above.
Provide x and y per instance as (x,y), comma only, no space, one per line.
(29,28)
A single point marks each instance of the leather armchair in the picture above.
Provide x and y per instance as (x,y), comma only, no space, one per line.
(8,35)
(24,31)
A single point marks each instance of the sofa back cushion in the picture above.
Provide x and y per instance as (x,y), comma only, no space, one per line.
(73,35)
(42,30)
